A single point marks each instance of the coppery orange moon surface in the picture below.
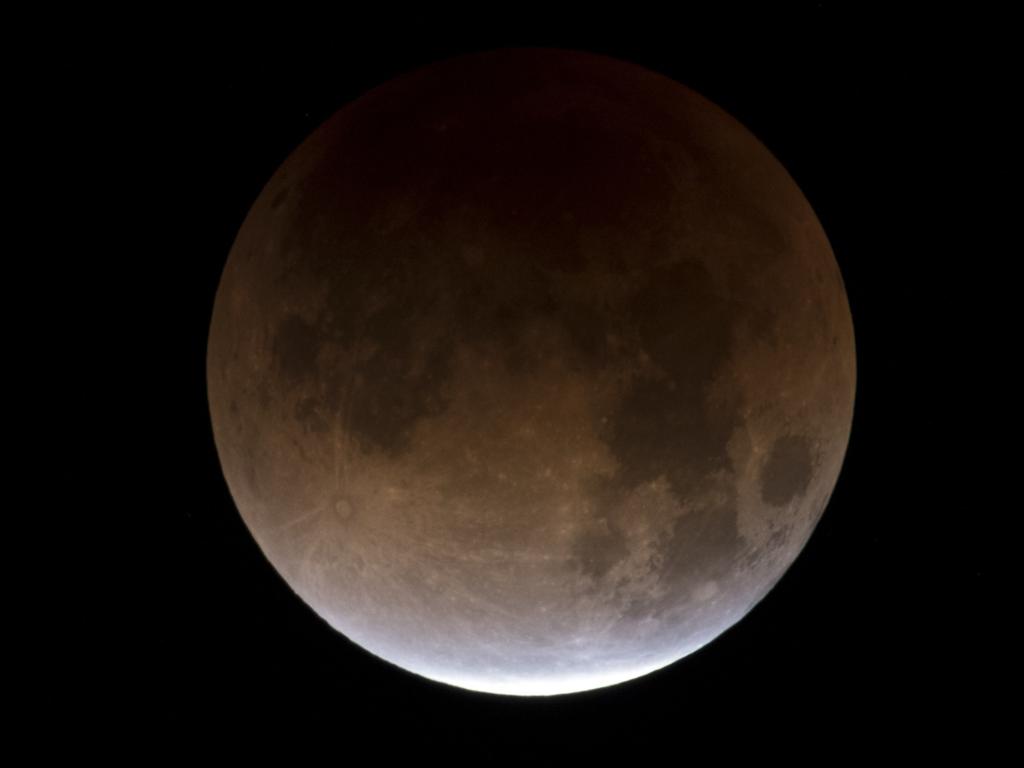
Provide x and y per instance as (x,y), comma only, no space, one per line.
(531,371)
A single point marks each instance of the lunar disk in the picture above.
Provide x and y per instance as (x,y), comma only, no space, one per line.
(531,371)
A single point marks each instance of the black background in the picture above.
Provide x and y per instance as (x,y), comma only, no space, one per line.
(878,633)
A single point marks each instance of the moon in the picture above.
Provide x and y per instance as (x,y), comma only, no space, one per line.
(531,371)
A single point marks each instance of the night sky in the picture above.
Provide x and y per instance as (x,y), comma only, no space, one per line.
(877,634)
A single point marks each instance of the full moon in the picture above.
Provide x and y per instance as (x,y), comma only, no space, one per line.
(531,371)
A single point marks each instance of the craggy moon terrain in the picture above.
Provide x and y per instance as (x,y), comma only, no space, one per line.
(531,371)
